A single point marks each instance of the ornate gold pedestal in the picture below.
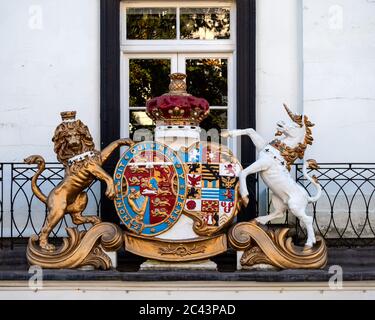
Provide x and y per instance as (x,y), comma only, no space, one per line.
(175,250)
(80,249)
(274,247)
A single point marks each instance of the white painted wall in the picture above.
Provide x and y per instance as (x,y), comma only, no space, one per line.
(279,62)
(339,78)
(318,56)
(49,62)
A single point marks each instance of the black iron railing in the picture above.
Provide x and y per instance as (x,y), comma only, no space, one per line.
(22,213)
(344,215)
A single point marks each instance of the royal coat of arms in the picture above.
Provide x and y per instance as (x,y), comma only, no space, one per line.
(177,199)
(177,196)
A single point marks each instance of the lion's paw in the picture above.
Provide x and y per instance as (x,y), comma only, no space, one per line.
(95,220)
(110,194)
(127,142)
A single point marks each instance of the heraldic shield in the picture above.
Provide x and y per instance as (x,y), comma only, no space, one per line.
(156,186)
(212,186)
(150,188)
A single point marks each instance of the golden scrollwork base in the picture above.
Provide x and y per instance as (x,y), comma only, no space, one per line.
(274,247)
(175,250)
(79,249)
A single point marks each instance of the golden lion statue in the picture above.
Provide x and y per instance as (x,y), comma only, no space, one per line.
(75,149)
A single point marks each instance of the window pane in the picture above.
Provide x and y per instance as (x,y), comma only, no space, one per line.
(141,126)
(205,23)
(217,119)
(148,78)
(151,23)
(208,78)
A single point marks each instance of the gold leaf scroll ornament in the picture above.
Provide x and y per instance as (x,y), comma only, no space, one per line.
(182,250)
(274,247)
(80,249)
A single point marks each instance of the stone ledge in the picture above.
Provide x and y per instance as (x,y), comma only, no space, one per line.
(358,265)
(149,276)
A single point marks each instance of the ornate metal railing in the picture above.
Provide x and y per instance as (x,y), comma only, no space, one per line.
(22,213)
(344,215)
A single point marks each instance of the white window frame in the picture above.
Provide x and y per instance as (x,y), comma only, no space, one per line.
(178,45)
(161,49)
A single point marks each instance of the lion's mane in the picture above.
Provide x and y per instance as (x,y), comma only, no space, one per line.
(60,146)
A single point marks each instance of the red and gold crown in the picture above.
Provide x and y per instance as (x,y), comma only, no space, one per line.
(177,107)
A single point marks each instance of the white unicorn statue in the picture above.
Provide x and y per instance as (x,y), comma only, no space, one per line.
(274,163)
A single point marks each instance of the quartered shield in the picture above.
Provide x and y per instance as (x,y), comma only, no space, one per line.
(211,186)
(150,188)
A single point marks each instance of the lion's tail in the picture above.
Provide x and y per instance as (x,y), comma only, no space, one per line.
(314,180)
(38,160)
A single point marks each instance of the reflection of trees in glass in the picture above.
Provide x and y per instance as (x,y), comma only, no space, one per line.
(205,23)
(217,119)
(148,78)
(151,23)
(160,23)
(207,78)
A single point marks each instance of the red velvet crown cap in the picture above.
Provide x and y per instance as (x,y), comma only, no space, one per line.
(177,107)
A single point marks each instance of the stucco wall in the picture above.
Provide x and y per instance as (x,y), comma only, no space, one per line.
(339,77)
(279,62)
(318,56)
(49,62)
